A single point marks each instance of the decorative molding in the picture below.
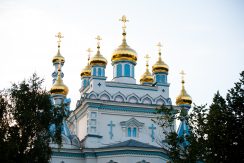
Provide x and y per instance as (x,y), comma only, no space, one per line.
(92,95)
(111,153)
(132,122)
(146,99)
(119,94)
(104,96)
(123,108)
(132,86)
(160,98)
(131,97)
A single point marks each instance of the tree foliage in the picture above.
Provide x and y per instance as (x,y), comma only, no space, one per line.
(216,133)
(26,114)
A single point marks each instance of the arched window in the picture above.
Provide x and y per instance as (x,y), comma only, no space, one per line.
(129,132)
(99,72)
(94,71)
(134,132)
(127,70)
(119,70)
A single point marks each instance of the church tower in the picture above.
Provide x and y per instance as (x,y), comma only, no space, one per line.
(98,62)
(58,59)
(183,101)
(160,69)
(86,72)
(124,60)
(59,90)
(147,78)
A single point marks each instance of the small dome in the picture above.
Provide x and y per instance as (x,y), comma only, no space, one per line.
(183,98)
(98,59)
(160,66)
(58,58)
(146,77)
(59,87)
(86,71)
(124,52)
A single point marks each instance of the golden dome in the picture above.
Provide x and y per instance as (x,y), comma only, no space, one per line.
(183,98)
(160,65)
(86,71)
(147,76)
(98,59)
(59,87)
(124,51)
(58,58)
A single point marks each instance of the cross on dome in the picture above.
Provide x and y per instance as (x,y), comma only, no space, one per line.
(147,57)
(59,36)
(182,75)
(89,50)
(159,45)
(98,38)
(124,20)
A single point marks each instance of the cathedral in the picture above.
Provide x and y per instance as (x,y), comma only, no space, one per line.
(112,120)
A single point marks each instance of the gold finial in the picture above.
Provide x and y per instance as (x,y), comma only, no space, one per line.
(159,45)
(59,36)
(182,77)
(98,38)
(89,50)
(147,57)
(124,20)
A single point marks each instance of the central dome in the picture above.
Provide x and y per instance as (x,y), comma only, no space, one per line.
(124,53)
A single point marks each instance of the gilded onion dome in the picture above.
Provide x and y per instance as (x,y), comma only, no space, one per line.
(160,65)
(59,87)
(98,59)
(58,58)
(86,71)
(183,98)
(124,51)
(147,76)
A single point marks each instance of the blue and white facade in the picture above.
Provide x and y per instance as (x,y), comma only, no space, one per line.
(112,121)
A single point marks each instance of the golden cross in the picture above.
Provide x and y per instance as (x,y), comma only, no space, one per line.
(98,38)
(147,57)
(89,50)
(159,45)
(182,74)
(124,20)
(59,36)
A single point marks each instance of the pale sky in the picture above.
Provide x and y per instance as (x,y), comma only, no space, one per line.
(205,38)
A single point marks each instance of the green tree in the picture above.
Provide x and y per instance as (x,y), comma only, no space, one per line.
(216,133)
(26,114)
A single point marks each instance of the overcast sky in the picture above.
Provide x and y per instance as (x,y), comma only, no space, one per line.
(205,38)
